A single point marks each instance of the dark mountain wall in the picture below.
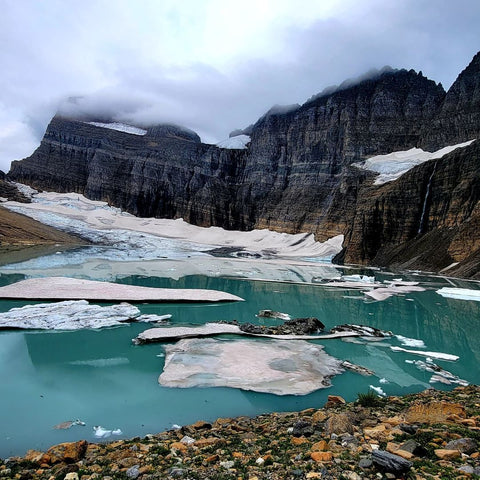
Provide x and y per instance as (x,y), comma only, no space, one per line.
(297,173)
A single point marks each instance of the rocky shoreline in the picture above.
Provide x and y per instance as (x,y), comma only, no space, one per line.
(432,434)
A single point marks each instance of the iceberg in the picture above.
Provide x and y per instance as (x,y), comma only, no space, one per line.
(60,288)
(439,355)
(280,367)
(460,293)
(68,315)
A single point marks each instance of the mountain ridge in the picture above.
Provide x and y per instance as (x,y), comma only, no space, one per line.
(296,174)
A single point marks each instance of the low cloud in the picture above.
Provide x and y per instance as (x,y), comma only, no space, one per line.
(137,77)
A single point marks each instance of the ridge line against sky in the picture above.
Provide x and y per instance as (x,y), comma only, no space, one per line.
(212,66)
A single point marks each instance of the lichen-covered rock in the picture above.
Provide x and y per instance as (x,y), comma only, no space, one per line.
(434,412)
(69,452)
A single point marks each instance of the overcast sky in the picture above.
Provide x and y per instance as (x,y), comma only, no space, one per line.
(211,65)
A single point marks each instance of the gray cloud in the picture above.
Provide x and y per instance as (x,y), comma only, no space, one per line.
(122,66)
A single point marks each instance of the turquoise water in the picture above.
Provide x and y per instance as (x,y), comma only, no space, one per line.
(101,378)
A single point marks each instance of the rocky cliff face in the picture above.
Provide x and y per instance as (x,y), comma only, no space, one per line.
(297,173)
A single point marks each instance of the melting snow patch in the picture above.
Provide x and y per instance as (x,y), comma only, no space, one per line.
(120,127)
(235,143)
(394,165)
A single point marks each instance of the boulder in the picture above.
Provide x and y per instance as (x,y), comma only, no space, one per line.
(445,454)
(69,452)
(434,412)
(390,462)
(463,445)
(339,423)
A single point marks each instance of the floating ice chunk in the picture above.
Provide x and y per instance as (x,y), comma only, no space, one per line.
(378,390)
(439,374)
(176,427)
(460,293)
(439,355)
(411,342)
(117,431)
(261,366)
(238,142)
(273,314)
(68,315)
(383,293)
(102,362)
(101,432)
(383,380)
(153,318)
(69,424)
(358,278)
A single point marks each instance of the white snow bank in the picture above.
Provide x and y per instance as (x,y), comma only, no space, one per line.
(393,165)
(120,127)
(101,223)
(235,143)
(460,293)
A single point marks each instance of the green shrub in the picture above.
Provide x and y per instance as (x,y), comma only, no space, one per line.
(369,399)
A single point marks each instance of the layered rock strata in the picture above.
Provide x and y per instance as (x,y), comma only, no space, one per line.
(296,174)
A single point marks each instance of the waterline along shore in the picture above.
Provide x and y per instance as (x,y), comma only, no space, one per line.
(432,434)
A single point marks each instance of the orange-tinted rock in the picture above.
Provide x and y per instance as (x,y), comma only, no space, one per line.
(179,446)
(201,424)
(334,400)
(434,412)
(321,456)
(69,452)
(207,442)
(319,416)
(298,440)
(320,446)
(444,454)
(211,458)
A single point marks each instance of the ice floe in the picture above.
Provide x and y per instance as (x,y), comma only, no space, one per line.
(439,355)
(410,342)
(382,293)
(460,293)
(68,424)
(393,165)
(101,432)
(68,315)
(239,142)
(59,288)
(378,390)
(440,375)
(278,367)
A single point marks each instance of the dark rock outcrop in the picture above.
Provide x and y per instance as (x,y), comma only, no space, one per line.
(296,174)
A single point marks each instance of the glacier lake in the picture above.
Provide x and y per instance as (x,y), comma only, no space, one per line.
(101,378)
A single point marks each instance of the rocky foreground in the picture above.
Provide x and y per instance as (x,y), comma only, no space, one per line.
(432,434)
